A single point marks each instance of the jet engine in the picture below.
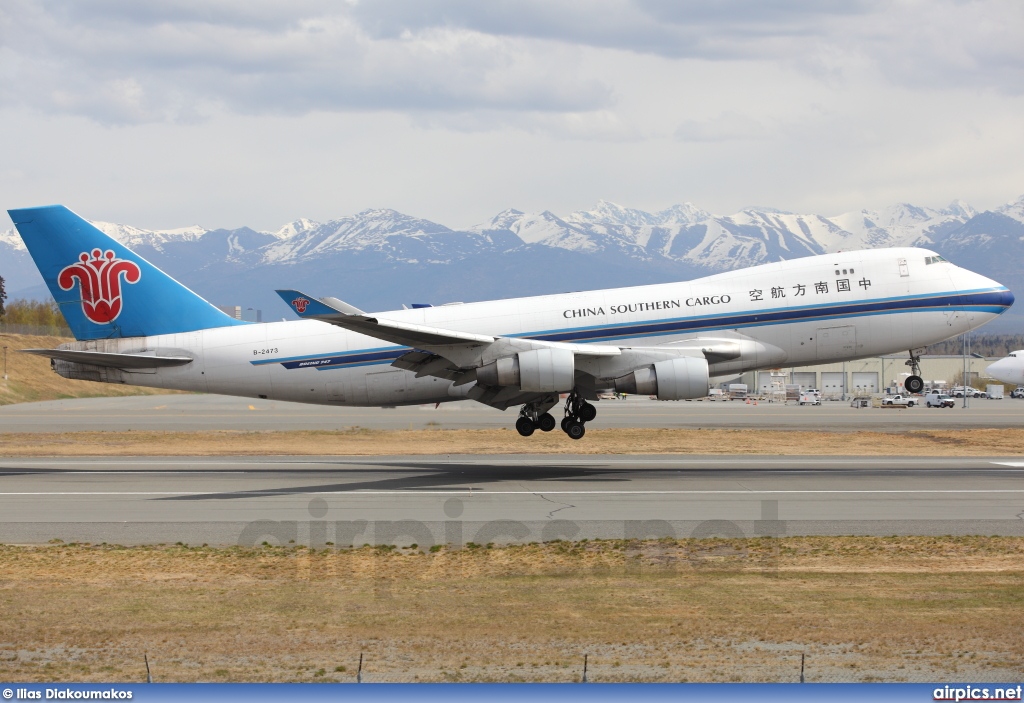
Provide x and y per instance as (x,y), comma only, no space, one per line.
(672,379)
(537,370)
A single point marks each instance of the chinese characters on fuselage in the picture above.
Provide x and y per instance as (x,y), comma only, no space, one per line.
(800,289)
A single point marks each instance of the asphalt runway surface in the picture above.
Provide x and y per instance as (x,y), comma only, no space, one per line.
(500,499)
(213,412)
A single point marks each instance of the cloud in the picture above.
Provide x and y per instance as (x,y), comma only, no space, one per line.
(124,62)
(468,65)
(912,42)
(723,128)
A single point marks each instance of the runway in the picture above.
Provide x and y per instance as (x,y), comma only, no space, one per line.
(501,499)
(190,413)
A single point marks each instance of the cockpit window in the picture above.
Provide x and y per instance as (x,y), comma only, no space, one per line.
(929,260)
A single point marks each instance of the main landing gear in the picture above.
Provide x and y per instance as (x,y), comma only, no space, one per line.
(532,418)
(578,412)
(914,382)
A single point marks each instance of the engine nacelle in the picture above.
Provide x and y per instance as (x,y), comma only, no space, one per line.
(534,371)
(673,379)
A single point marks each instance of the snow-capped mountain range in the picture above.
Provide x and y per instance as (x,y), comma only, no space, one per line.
(381,258)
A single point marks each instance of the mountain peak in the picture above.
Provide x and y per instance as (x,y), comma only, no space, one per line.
(959,208)
(608,213)
(685,214)
(295,227)
(1014,209)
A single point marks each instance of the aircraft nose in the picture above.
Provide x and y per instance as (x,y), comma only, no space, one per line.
(984,291)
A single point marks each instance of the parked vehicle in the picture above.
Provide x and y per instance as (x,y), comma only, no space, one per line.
(994,391)
(899,399)
(939,400)
(958,392)
(1017,392)
(810,396)
(737,391)
(716,394)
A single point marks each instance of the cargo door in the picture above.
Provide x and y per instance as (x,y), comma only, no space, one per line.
(385,387)
(836,342)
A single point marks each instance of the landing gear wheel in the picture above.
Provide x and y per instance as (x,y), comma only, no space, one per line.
(587,412)
(914,384)
(575,429)
(525,426)
(565,423)
(546,422)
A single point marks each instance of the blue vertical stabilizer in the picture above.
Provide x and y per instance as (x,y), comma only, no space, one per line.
(105,290)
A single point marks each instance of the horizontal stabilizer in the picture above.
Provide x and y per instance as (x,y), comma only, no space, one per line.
(406,333)
(111,360)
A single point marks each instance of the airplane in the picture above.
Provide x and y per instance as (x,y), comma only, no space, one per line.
(1009,369)
(136,325)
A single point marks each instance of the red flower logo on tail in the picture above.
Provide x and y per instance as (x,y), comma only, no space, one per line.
(99,278)
(300,305)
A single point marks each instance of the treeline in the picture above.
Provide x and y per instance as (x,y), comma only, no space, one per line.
(984,344)
(32,312)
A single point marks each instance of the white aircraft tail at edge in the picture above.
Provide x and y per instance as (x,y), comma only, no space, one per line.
(136,325)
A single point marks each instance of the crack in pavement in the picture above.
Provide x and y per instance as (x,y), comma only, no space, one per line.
(565,506)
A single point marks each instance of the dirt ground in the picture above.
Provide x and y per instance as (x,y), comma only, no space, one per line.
(860,609)
(362,442)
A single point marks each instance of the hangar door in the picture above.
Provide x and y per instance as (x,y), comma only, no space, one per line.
(865,382)
(832,384)
(836,342)
(805,379)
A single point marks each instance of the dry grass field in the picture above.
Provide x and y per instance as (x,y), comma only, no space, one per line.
(364,442)
(30,377)
(699,610)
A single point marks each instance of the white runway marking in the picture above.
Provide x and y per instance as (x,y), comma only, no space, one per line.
(477,491)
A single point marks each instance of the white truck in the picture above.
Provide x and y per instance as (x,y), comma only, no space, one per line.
(935,399)
(737,391)
(995,391)
(960,391)
(899,400)
(810,396)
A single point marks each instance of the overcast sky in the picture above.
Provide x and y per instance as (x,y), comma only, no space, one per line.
(166,114)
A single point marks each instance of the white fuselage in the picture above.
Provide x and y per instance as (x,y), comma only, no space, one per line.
(817,309)
(1009,369)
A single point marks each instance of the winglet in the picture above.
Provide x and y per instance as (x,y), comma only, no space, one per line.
(308,306)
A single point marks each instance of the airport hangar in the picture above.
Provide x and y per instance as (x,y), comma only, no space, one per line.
(862,376)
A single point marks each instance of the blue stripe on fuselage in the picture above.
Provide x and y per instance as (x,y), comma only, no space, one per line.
(991,300)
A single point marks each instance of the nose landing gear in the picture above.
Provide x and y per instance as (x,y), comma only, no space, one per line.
(914,383)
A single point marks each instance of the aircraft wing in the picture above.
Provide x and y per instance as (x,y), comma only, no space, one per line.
(454,345)
(111,360)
